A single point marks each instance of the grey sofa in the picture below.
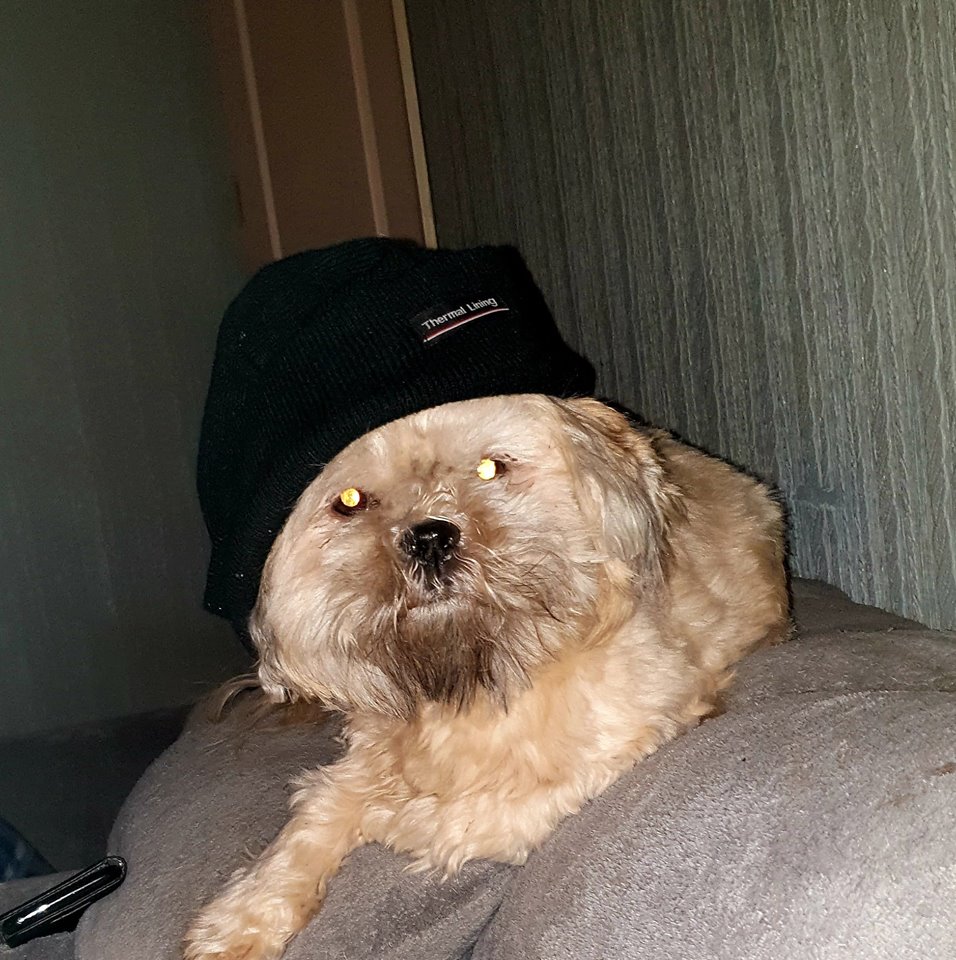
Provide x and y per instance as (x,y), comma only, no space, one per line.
(815,818)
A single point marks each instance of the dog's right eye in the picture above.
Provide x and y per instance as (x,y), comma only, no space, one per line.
(350,501)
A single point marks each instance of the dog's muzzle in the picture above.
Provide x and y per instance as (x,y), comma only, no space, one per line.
(431,544)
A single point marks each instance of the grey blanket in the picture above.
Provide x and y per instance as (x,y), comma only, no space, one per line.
(816,818)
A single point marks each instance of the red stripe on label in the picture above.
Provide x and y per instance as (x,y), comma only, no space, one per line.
(461,321)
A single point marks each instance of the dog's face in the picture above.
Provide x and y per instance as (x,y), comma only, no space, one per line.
(448,554)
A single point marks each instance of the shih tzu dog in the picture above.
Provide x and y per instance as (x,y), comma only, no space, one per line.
(510,599)
(509,591)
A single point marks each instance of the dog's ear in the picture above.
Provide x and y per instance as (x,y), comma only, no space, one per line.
(622,483)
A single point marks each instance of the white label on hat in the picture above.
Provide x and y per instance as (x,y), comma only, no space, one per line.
(437,321)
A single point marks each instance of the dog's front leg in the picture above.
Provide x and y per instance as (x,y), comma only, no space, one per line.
(268,903)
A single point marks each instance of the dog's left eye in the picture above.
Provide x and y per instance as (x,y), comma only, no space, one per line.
(488,469)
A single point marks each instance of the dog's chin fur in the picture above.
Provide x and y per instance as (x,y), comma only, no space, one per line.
(604,583)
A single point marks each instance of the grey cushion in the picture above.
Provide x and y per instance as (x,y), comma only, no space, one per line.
(814,818)
(818,826)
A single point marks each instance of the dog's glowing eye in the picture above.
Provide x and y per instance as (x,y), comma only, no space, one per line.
(350,500)
(488,469)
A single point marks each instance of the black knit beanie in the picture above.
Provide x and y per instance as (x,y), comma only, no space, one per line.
(322,347)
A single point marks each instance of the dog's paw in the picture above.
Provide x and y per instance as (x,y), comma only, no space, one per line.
(245,947)
(232,945)
(222,932)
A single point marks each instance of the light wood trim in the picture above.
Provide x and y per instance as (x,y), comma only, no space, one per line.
(414,121)
(258,134)
(363,99)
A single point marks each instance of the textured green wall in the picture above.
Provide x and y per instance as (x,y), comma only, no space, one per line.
(116,259)
(745,212)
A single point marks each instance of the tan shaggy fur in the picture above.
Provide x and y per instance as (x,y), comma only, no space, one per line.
(604,583)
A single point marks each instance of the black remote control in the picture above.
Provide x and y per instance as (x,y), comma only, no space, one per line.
(59,908)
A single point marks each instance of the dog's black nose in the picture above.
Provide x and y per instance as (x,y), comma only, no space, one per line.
(432,542)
